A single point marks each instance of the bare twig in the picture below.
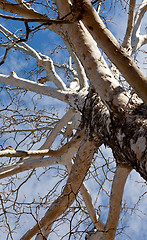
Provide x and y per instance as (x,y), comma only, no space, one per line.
(45,152)
(6,219)
(43,20)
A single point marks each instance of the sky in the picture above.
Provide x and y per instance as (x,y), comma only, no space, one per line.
(133,216)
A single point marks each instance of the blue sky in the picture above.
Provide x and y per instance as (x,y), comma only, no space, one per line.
(135,222)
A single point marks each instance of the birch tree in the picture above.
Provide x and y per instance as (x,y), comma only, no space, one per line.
(105,93)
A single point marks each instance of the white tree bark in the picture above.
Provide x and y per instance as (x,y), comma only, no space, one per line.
(139,40)
(68,195)
(81,38)
(111,47)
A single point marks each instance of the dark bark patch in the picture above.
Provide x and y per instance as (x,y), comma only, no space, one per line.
(90,28)
(118,130)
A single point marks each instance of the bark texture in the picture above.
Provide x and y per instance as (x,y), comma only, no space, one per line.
(109,115)
(125,133)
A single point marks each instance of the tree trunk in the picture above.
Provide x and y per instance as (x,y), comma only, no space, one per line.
(125,133)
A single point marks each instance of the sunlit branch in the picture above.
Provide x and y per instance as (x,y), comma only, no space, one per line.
(23,4)
(78,172)
(90,207)
(42,60)
(21,46)
(65,159)
(26,130)
(50,139)
(66,66)
(20,10)
(117,190)
(48,65)
(29,163)
(24,165)
(14,80)
(82,76)
(44,152)
(140,13)
(99,6)
(112,48)
(41,20)
(127,39)
(89,204)
(83,80)
(80,70)
(137,39)
(96,67)
(23,154)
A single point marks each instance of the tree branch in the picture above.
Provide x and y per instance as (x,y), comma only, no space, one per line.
(91,210)
(57,129)
(20,10)
(127,39)
(117,190)
(48,65)
(30,163)
(97,70)
(78,172)
(41,20)
(23,4)
(42,60)
(137,39)
(65,159)
(14,80)
(44,152)
(80,70)
(111,47)
(21,46)
(69,96)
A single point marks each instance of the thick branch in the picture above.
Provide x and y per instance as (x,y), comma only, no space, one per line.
(137,39)
(68,195)
(117,190)
(127,39)
(25,164)
(41,20)
(14,80)
(69,96)
(97,70)
(111,47)
(20,10)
